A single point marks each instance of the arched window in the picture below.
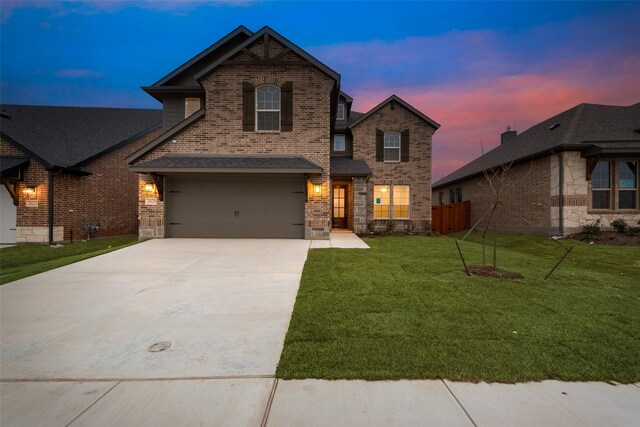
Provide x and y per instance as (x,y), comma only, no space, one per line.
(392,146)
(268,108)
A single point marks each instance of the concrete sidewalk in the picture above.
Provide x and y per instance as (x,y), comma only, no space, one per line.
(266,401)
(345,239)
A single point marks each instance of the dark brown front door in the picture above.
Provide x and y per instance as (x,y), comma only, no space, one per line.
(340,206)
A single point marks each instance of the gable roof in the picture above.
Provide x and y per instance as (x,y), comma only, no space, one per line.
(583,127)
(272,33)
(241,32)
(401,102)
(67,137)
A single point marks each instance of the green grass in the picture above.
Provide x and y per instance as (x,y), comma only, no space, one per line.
(406,309)
(25,260)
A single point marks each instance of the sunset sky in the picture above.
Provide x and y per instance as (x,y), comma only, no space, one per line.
(473,67)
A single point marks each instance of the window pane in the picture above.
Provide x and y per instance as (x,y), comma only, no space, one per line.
(392,139)
(441,197)
(340,115)
(628,175)
(627,199)
(459,194)
(601,176)
(452,196)
(381,212)
(601,199)
(338,143)
(392,154)
(268,120)
(400,194)
(381,195)
(401,212)
(268,98)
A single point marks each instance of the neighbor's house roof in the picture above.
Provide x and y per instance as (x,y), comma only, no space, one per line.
(229,163)
(68,137)
(591,128)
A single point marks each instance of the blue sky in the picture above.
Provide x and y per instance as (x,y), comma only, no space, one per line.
(475,67)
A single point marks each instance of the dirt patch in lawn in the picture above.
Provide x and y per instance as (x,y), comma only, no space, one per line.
(609,238)
(486,270)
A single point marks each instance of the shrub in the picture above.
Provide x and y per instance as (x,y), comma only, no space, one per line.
(620,225)
(593,228)
(390,226)
(633,230)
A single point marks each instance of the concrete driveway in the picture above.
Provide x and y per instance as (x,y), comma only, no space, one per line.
(223,304)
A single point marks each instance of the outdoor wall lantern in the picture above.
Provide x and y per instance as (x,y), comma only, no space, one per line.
(30,190)
(317,189)
(149,188)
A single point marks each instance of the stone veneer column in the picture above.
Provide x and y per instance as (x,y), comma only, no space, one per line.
(359,205)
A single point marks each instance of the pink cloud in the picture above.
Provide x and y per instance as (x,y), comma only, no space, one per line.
(480,109)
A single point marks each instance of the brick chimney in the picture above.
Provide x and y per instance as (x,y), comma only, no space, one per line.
(508,135)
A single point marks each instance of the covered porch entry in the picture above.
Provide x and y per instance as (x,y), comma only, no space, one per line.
(349,194)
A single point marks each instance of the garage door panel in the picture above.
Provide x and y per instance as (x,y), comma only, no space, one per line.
(236,208)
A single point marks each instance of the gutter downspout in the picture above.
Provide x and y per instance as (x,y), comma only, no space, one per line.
(560,194)
(51,192)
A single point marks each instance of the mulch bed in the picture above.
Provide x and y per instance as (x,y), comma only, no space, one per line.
(609,238)
(486,270)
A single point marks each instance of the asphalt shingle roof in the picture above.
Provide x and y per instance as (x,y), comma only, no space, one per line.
(266,163)
(67,136)
(10,162)
(579,128)
(345,166)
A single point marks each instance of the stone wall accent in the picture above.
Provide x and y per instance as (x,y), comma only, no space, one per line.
(38,234)
(220,131)
(359,205)
(526,202)
(577,195)
(416,172)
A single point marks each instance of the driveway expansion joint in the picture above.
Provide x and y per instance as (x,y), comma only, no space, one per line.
(90,406)
(267,410)
(459,403)
(98,380)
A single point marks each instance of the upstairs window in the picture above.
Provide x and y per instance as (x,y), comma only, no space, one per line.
(601,186)
(268,108)
(627,185)
(191,105)
(459,194)
(341,112)
(392,146)
(339,143)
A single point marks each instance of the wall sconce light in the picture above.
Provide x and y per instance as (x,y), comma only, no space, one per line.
(149,188)
(30,189)
(317,189)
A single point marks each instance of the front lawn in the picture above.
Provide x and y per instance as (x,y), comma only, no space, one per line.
(25,260)
(405,309)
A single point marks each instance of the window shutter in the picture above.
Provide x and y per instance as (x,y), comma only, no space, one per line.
(404,146)
(248,107)
(286,107)
(379,146)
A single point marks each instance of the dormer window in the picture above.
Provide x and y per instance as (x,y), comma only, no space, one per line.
(341,112)
(191,105)
(268,111)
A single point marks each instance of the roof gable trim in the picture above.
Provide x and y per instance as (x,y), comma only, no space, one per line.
(399,100)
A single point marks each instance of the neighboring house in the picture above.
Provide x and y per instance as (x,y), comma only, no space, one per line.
(573,169)
(63,169)
(259,141)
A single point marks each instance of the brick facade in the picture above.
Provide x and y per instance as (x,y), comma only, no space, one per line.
(107,197)
(416,172)
(221,130)
(526,199)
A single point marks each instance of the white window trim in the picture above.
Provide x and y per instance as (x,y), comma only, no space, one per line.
(344,139)
(399,148)
(344,110)
(269,111)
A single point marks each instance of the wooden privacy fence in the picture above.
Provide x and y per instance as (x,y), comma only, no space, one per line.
(451,218)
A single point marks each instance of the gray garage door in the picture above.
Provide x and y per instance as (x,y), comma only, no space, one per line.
(268,207)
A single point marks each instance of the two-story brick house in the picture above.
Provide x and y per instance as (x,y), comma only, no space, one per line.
(259,141)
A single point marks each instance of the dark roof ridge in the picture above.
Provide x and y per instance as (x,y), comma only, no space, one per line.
(404,103)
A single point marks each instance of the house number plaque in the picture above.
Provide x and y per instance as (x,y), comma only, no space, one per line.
(151,201)
(31,203)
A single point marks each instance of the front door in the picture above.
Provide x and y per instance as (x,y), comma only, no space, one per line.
(340,206)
